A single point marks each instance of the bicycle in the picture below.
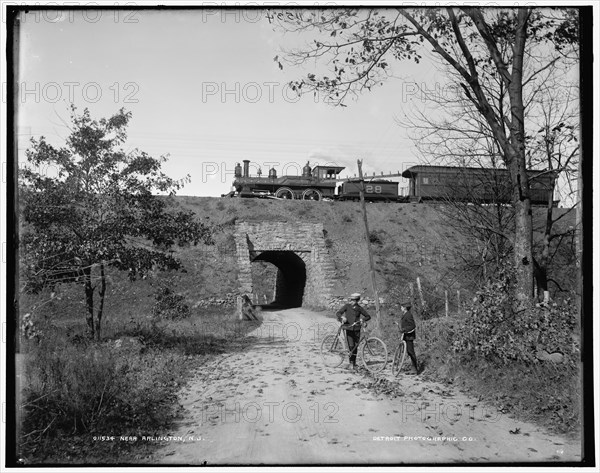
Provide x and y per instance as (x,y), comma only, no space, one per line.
(373,352)
(399,354)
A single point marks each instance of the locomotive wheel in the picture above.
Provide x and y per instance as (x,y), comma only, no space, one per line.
(285,193)
(312,194)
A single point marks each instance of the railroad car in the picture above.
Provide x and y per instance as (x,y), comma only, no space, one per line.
(485,185)
(376,190)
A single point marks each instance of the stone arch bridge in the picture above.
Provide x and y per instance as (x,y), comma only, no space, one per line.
(305,272)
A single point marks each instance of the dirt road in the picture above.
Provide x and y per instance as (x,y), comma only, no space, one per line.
(276,403)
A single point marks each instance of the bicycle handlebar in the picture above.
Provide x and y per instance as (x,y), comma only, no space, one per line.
(360,322)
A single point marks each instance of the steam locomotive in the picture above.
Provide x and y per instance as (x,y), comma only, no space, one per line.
(315,183)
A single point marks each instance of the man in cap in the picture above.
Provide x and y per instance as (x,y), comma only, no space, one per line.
(408,327)
(348,315)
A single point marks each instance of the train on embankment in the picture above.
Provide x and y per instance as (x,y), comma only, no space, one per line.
(425,183)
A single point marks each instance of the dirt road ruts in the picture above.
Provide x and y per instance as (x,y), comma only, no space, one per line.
(276,403)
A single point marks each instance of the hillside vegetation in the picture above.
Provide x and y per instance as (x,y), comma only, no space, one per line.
(152,324)
(408,241)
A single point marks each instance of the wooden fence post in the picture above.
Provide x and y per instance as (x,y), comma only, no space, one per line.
(420,292)
(369,250)
(239,308)
(446,297)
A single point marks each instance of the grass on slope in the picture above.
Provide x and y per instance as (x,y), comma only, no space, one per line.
(409,240)
(87,402)
(547,394)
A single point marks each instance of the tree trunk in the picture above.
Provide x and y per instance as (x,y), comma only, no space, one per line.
(523,255)
(523,242)
(101,307)
(541,273)
(89,300)
(517,164)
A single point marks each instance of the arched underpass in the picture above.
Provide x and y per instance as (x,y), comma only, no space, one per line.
(290,280)
(305,272)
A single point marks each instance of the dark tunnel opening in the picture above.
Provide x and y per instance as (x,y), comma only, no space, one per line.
(290,279)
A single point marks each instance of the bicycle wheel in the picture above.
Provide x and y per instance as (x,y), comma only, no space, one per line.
(374,354)
(332,350)
(399,356)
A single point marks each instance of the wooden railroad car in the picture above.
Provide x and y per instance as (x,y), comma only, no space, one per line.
(486,185)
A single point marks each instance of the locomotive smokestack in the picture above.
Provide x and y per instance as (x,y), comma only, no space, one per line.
(246,167)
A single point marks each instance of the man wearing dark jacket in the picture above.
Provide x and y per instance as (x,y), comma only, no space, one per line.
(348,315)
(408,327)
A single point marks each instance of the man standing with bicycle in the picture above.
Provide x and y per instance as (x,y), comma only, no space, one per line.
(408,327)
(350,316)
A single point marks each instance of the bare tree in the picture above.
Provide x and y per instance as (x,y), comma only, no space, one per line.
(357,47)
(555,147)
(551,124)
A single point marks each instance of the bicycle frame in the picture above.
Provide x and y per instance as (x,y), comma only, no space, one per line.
(401,348)
(401,332)
(375,350)
(363,336)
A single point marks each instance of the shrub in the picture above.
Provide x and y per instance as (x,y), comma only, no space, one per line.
(74,390)
(169,305)
(346,219)
(492,328)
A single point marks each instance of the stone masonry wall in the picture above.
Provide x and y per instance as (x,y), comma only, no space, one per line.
(304,239)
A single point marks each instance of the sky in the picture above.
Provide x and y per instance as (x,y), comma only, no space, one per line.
(203,88)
